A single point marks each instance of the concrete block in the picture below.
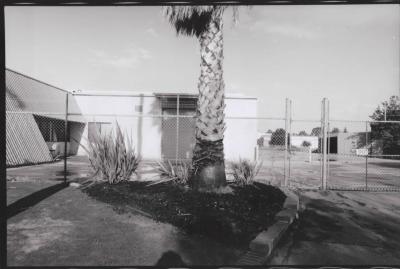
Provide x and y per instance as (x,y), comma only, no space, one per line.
(252,258)
(266,240)
(262,246)
(292,200)
(276,231)
(261,243)
(287,215)
(74,184)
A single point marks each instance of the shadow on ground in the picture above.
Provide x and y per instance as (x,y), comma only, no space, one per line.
(343,228)
(32,199)
(170,258)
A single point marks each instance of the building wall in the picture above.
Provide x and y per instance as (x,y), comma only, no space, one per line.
(26,97)
(266,139)
(349,142)
(297,141)
(76,131)
(24,142)
(146,132)
(240,139)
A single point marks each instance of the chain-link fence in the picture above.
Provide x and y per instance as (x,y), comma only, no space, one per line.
(272,151)
(45,124)
(36,127)
(363,155)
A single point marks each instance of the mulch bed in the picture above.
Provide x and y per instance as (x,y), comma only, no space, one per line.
(233,218)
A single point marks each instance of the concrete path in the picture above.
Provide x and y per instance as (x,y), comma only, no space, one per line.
(69,228)
(343,228)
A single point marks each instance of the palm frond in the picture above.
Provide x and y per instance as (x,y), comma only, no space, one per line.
(192,20)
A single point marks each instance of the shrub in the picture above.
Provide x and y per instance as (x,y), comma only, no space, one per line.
(278,137)
(178,173)
(245,171)
(306,144)
(112,157)
(260,141)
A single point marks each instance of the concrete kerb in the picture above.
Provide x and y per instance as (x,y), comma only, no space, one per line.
(262,246)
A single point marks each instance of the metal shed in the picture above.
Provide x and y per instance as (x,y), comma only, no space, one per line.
(35,120)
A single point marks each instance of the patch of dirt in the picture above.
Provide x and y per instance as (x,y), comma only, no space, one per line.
(31,234)
(234,217)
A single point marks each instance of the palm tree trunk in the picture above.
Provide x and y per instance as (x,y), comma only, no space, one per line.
(208,154)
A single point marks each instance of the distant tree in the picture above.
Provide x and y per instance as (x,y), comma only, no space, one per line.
(316,131)
(269,131)
(260,141)
(388,133)
(345,130)
(306,144)
(335,130)
(303,133)
(278,137)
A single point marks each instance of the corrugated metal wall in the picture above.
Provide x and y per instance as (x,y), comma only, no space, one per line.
(26,97)
(24,142)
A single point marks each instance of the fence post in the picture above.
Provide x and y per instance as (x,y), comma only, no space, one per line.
(325,122)
(177,130)
(384,111)
(287,129)
(328,143)
(65,138)
(289,138)
(366,156)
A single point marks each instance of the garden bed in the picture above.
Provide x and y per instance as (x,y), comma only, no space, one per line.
(233,218)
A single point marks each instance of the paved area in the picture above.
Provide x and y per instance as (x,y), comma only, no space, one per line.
(65,227)
(343,228)
(69,228)
(78,168)
(345,171)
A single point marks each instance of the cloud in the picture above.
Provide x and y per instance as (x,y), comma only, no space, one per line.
(233,86)
(152,32)
(284,29)
(127,58)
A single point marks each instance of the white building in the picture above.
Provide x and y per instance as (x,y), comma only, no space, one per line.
(36,117)
(298,140)
(151,122)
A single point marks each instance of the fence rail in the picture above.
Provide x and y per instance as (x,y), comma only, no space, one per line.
(298,153)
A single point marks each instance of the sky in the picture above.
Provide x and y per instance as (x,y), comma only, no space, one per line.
(349,54)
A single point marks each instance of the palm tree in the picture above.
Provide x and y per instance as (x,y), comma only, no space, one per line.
(205,22)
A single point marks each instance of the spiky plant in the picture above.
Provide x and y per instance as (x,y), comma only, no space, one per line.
(244,171)
(205,23)
(177,172)
(112,156)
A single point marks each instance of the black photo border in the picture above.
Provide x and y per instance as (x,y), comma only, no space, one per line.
(3,189)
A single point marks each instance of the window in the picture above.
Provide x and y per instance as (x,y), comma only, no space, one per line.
(186,104)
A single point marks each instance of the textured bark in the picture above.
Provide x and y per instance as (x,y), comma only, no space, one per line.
(208,154)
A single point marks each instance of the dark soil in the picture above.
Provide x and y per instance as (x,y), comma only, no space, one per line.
(234,218)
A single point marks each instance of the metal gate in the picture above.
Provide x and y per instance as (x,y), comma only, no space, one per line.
(364,156)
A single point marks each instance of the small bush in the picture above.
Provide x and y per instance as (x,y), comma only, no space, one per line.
(177,173)
(278,137)
(245,171)
(112,157)
(306,144)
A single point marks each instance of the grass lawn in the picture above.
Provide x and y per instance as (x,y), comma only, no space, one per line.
(233,218)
